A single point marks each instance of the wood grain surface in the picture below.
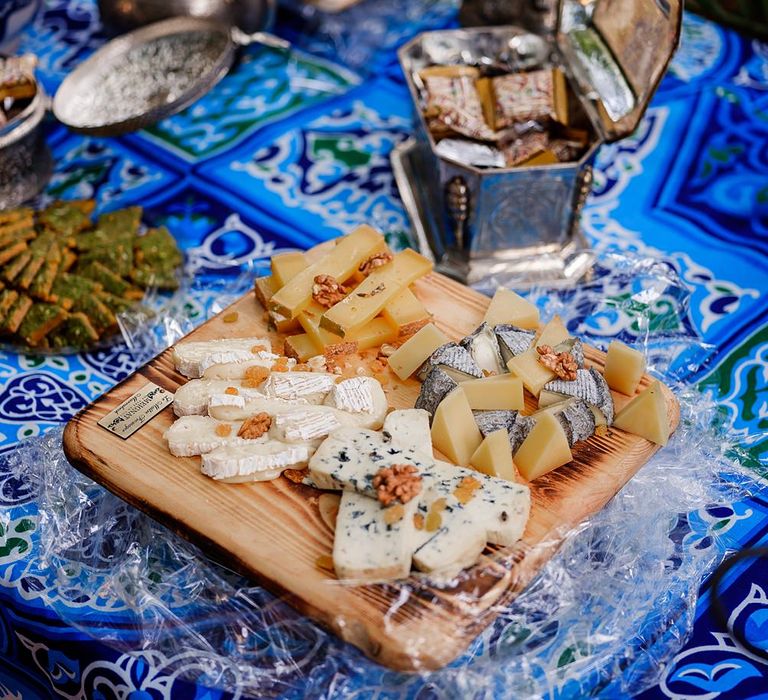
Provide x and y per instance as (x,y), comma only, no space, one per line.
(273,532)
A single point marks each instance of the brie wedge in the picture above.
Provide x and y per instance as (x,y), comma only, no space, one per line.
(193,358)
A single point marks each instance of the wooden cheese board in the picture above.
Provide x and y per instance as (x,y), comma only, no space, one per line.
(273,531)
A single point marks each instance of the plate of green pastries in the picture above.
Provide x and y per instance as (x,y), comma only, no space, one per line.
(65,276)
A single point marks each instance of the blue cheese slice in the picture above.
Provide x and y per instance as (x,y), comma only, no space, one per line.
(193,358)
(408,428)
(255,461)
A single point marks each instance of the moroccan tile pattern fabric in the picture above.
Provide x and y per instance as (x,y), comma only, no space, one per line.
(288,151)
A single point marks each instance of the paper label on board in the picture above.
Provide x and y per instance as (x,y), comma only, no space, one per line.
(137,410)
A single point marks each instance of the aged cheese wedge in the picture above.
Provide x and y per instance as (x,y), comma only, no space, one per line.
(286,266)
(576,417)
(196,435)
(454,431)
(483,346)
(509,307)
(512,340)
(264,288)
(590,386)
(434,389)
(533,374)
(255,461)
(455,361)
(553,333)
(282,324)
(624,367)
(301,347)
(373,334)
(355,395)
(192,357)
(340,263)
(416,350)
(494,457)
(546,448)
(406,313)
(496,393)
(646,415)
(191,399)
(372,542)
(375,292)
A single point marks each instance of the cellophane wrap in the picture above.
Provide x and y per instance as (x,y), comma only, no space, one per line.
(600,618)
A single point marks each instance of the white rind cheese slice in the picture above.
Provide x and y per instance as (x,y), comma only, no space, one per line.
(238,369)
(304,425)
(196,435)
(357,395)
(255,461)
(365,546)
(313,387)
(192,358)
(191,399)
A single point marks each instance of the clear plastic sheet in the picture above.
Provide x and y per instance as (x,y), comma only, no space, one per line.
(600,618)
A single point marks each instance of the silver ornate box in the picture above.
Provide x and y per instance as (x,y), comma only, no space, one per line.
(487,226)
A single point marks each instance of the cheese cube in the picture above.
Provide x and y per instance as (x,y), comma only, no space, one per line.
(454,431)
(350,251)
(624,368)
(553,333)
(646,415)
(509,307)
(533,374)
(494,457)
(546,448)
(414,352)
(500,393)
(301,347)
(406,313)
(286,266)
(264,288)
(375,292)
(373,334)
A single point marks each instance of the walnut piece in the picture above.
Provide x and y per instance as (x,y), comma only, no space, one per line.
(326,291)
(400,482)
(561,363)
(255,426)
(295,475)
(369,265)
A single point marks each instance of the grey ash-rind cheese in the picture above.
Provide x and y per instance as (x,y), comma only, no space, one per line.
(513,341)
(454,360)
(577,419)
(434,389)
(575,348)
(590,386)
(483,346)
(516,424)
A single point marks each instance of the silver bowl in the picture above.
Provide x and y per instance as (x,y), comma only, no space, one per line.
(119,16)
(25,162)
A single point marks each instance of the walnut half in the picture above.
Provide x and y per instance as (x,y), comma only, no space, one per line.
(400,482)
(255,426)
(561,363)
(327,292)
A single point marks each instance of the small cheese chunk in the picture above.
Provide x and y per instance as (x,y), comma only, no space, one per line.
(313,387)
(373,543)
(509,307)
(499,393)
(533,374)
(340,263)
(301,347)
(553,333)
(409,429)
(546,448)
(286,266)
(416,350)
(646,415)
(255,461)
(375,292)
(373,334)
(624,367)
(355,395)
(264,288)
(405,313)
(494,457)
(454,431)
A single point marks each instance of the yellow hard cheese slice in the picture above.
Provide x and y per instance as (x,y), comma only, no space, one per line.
(406,313)
(286,266)
(509,307)
(301,347)
(553,333)
(375,292)
(533,374)
(414,352)
(546,448)
(624,368)
(264,288)
(494,456)
(340,263)
(646,415)
(500,393)
(454,431)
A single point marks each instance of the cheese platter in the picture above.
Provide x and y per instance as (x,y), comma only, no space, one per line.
(295,433)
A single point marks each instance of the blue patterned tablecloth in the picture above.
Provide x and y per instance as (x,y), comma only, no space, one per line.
(283,153)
